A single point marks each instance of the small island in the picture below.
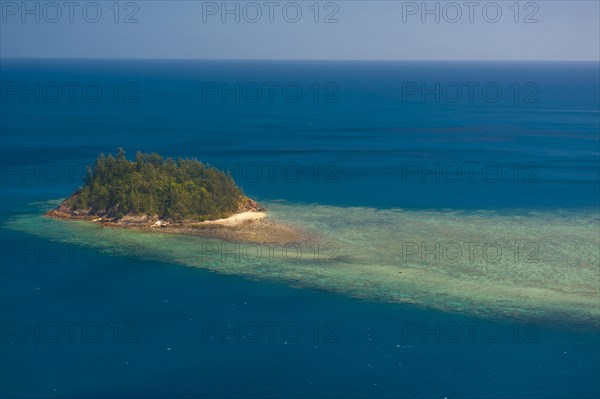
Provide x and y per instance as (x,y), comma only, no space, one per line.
(183,196)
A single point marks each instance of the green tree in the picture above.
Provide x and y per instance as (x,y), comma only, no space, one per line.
(185,189)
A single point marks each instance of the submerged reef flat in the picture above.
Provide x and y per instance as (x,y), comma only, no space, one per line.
(539,266)
(244,227)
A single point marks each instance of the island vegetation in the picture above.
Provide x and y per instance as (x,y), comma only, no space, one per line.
(183,196)
(159,188)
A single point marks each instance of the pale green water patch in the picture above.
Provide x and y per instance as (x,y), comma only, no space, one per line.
(538,265)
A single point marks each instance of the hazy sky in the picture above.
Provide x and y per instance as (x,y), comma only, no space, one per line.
(386,30)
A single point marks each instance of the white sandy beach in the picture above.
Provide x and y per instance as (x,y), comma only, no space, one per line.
(236,219)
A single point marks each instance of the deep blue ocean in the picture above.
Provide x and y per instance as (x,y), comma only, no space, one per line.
(473,136)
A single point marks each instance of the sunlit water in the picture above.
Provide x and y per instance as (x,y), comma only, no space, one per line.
(359,146)
(536,265)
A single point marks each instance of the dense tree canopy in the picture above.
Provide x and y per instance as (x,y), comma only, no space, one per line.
(185,189)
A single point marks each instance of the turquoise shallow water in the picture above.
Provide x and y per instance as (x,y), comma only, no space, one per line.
(480,263)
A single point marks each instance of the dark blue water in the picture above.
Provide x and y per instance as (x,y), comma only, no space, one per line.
(363,134)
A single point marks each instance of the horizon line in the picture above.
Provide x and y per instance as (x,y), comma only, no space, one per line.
(297,59)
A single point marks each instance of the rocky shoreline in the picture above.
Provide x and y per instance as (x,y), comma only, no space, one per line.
(250,224)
